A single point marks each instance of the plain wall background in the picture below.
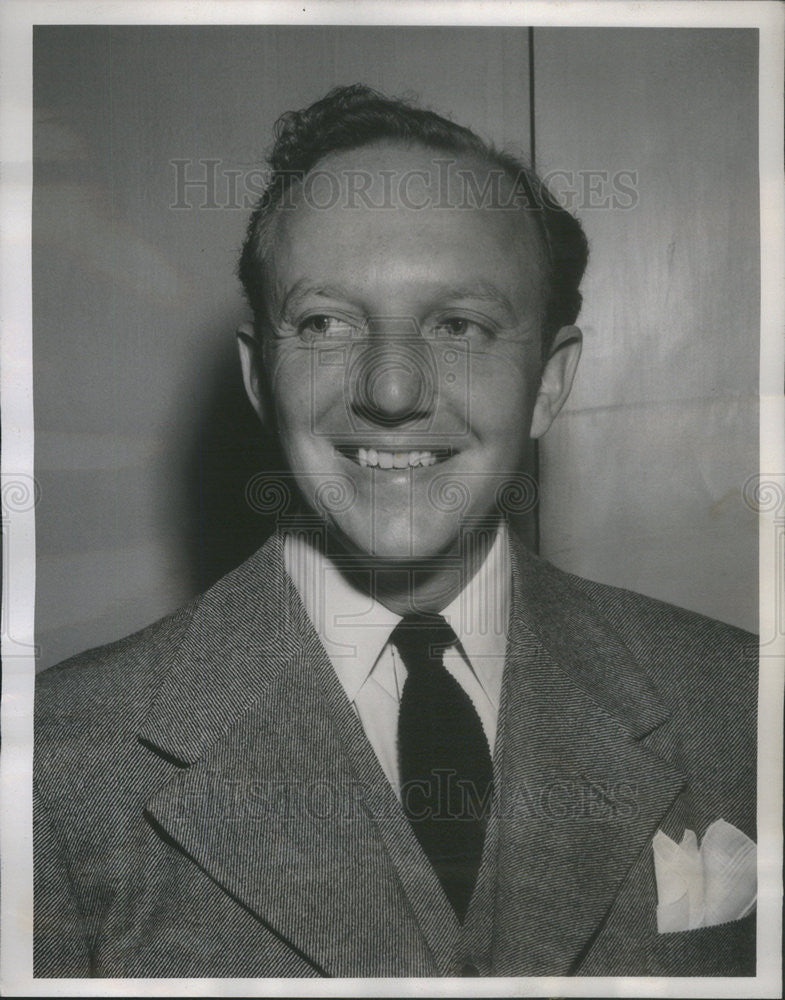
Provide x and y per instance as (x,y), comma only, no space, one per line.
(144,441)
(642,475)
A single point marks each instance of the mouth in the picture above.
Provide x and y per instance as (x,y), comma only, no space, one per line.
(378,458)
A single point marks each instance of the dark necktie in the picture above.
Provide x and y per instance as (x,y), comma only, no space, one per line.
(445,765)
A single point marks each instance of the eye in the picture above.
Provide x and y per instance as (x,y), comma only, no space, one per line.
(459,326)
(322,325)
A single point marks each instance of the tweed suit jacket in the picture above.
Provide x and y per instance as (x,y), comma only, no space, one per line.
(207,803)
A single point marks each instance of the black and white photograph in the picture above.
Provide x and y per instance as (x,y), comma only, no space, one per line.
(393,499)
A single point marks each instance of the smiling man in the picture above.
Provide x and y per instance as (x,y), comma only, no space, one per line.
(395,346)
(395,742)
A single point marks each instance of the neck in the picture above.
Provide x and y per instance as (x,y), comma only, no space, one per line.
(427,584)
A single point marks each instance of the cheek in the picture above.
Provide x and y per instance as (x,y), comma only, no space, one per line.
(297,390)
(501,396)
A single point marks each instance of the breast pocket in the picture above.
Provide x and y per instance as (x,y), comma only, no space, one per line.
(724,950)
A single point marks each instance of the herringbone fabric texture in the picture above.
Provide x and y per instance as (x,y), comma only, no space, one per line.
(208,805)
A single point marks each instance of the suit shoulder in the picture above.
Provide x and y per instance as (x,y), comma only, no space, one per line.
(706,673)
(100,687)
(111,685)
(655,630)
(703,668)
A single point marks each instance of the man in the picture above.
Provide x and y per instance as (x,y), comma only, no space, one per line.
(395,742)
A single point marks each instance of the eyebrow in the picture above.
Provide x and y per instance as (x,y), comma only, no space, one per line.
(300,289)
(482,291)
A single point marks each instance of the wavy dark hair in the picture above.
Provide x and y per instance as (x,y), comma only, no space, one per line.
(354,116)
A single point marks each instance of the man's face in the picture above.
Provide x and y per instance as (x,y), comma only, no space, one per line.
(402,356)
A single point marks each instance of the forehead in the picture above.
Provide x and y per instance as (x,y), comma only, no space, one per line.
(387,214)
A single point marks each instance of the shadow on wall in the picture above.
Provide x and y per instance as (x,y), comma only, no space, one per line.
(229,451)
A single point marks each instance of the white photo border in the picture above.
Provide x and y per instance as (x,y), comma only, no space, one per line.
(17,19)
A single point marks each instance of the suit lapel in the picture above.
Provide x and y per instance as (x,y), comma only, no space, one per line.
(413,872)
(583,788)
(283,803)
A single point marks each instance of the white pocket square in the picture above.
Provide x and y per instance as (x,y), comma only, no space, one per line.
(701,887)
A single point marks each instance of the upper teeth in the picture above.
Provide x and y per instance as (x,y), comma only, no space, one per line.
(394,459)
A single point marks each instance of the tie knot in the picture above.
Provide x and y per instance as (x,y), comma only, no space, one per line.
(421,640)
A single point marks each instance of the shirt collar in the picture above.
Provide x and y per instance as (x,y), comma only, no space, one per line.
(479,616)
(354,627)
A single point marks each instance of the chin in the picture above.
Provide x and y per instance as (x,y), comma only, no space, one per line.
(394,543)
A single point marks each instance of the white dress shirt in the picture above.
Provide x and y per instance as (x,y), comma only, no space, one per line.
(355,631)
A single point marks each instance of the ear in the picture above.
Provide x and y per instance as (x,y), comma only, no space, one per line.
(250,362)
(557,376)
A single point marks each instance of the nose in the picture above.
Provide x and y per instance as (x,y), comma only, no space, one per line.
(393,381)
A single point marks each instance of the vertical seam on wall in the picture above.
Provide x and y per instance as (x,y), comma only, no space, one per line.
(532,130)
(533,161)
